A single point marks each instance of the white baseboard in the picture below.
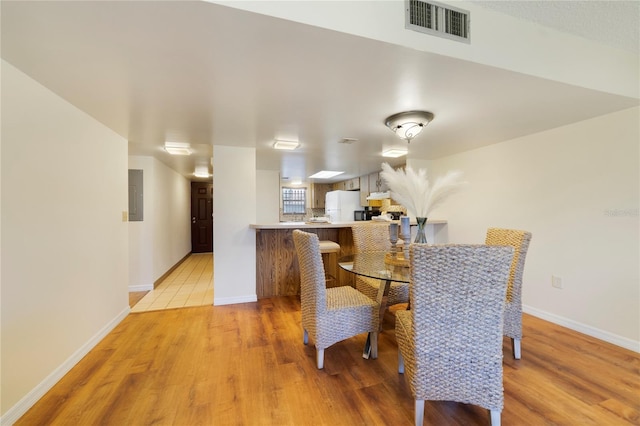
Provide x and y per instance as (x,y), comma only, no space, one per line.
(140,287)
(218,301)
(624,342)
(14,413)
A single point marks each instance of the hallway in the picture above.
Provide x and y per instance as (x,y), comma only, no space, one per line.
(190,284)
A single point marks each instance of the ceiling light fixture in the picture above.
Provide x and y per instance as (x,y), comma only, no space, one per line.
(202,172)
(407,125)
(177,148)
(325,174)
(394,153)
(287,145)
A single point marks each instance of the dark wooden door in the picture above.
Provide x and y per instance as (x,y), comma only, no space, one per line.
(201,217)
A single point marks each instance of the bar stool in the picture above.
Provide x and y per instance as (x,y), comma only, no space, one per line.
(329,251)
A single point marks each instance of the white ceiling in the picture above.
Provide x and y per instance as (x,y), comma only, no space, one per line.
(212,75)
(615,23)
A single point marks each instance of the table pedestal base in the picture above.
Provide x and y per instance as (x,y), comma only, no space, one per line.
(383,293)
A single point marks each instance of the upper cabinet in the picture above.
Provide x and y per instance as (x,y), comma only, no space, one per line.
(352,184)
(364,190)
(382,187)
(376,183)
(318,194)
(347,185)
(367,184)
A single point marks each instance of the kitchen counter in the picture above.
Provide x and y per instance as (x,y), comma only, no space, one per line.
(301,225)
(309,225)
(277,270)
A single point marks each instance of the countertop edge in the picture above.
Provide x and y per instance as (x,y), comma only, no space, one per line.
(305,225)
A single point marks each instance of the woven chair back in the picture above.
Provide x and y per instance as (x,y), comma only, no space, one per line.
(371,236)
(457,298)
(519,240)
(313,293)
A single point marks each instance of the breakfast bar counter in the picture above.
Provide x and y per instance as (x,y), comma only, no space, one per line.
(277,271)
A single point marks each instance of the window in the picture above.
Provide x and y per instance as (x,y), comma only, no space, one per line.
(294,200)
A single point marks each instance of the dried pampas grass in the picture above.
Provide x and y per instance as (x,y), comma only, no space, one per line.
(413,191)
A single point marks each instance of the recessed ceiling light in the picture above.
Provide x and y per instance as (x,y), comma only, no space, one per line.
(394,153)
(177,148)
(325,174)
(288,145)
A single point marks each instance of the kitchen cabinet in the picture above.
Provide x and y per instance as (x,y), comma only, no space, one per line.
(382,186)
(347,185)
(364,190)
(352,184)
(375,182)
(318,194)
(338,186)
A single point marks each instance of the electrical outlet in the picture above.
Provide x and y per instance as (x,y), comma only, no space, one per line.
(556,282)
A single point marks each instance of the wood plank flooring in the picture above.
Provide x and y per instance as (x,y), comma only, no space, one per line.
(135,296)
(246,365)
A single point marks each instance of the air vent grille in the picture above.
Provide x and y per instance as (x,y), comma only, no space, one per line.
(348,141)
(437,19)
(422,14)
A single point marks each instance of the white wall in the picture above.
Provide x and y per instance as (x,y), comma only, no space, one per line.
(268,196)
(64,244)
(234,201)
(141,276)
(164,236)
(497,40)
(576,189)
(171,218)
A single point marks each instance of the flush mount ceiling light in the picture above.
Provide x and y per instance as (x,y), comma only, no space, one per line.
(177,148)
(394,153)
(407,125)
(288,145)
(325,174)
(202,172)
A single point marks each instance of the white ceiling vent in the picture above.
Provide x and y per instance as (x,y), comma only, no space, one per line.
(437,19)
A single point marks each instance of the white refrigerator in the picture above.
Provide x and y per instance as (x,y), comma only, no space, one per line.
(340,205)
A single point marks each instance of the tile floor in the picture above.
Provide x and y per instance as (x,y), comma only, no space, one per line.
(190,284)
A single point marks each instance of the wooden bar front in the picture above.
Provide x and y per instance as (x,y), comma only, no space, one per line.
(277,270)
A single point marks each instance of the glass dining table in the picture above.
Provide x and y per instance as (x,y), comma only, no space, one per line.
(382,265)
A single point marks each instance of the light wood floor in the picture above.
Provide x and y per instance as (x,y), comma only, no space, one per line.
(246,365)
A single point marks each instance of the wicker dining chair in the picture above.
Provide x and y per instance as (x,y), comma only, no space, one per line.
(371,236)
(330,315)
(450,341)
(519,240)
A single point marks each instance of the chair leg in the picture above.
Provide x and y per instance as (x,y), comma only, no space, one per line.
(495,417)
(320,358)
(419,415)
(374,344)
(517,351)
(400,362)
(305,336)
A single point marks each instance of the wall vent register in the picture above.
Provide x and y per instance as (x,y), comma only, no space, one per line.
(437,19)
